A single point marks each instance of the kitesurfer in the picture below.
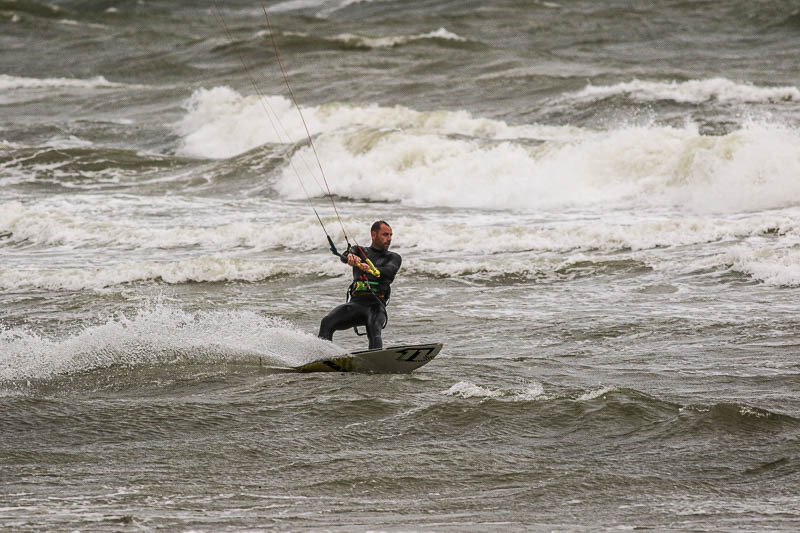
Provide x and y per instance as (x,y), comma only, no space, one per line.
(374,269)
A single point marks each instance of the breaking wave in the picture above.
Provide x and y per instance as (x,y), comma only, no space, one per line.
(453,159)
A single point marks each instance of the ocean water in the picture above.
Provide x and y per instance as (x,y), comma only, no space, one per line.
(598,208)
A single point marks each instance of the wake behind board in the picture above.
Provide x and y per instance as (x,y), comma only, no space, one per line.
(394,360)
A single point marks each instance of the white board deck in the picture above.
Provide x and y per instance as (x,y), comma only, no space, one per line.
(393,360)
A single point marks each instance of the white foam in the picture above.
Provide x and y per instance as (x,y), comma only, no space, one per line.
(16,89)
(198,268)
(396,40)
(159,335)
(220,123)
(292,5)
(328,6)
(780,267)
(71,22)
(348,3)
(206,240)
(68,142)
(608,234)
(747,411)
(8,83)
(467,389)
(758,259)
(77,223)
(596,393)
(751,169)
(453,159)
(692,91)
(443,33)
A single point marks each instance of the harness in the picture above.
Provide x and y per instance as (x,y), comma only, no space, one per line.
(362,286)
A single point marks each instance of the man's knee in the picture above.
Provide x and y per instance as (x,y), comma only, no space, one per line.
(338,318)
(326,328)
(377,319)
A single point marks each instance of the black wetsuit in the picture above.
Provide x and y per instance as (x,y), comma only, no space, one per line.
(365,307)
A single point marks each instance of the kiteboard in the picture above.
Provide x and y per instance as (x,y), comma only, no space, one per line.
(394,360)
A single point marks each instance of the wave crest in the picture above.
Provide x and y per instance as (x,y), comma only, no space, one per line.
(689,92)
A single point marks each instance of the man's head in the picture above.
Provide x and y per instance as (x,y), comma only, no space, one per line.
(381,235)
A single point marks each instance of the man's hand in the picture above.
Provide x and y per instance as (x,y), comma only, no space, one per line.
(355,261)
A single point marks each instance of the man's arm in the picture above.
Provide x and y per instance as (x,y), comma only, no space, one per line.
(390,267)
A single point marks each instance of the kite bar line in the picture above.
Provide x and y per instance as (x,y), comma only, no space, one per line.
(305,125)
(267,108)
(371,267)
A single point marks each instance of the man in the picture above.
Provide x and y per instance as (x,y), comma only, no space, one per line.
(374,269)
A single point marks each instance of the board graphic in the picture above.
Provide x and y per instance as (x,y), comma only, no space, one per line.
(393,360)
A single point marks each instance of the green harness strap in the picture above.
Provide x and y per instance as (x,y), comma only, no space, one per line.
(363,286)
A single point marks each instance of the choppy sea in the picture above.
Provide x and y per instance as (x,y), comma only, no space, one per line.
(598,208)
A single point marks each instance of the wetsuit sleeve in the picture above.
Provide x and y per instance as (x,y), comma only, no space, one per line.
(343,255)
(390,267)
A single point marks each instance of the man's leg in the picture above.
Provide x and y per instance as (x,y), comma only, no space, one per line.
(344,316)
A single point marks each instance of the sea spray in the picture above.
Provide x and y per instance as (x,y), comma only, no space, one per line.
(159,335)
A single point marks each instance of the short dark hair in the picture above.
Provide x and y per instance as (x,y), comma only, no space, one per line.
(376,227)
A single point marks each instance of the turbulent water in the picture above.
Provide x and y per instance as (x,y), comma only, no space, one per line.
(598,208)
